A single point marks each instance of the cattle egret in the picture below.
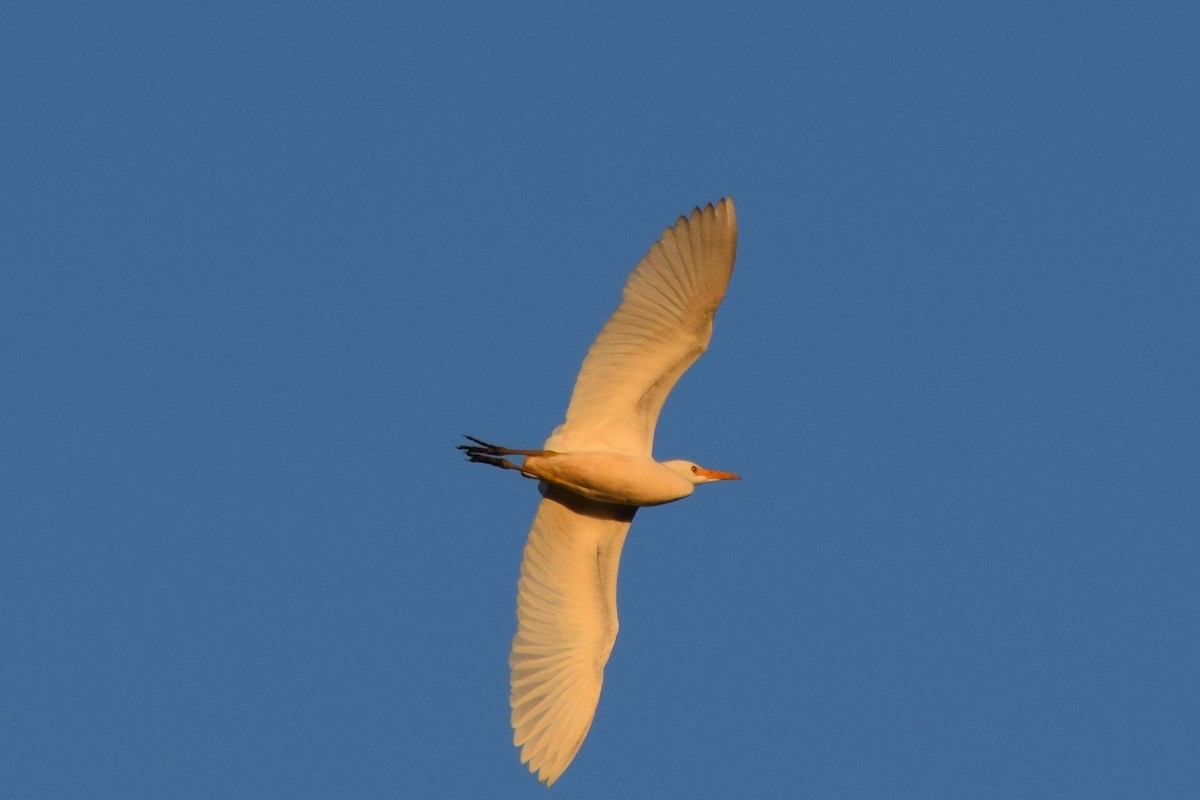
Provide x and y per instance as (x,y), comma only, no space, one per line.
(595,471)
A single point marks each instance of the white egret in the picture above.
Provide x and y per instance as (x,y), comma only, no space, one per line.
(596,470)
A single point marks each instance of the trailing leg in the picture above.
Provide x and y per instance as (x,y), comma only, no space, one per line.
(484,453)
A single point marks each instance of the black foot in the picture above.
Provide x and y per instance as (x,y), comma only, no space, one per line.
(484,453)
(480,444)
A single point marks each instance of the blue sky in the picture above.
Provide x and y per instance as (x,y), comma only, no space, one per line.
(263,264)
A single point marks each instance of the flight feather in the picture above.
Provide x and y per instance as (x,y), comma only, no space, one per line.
(566,625)
(661,327)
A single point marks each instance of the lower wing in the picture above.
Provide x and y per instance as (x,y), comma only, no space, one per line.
(566,625)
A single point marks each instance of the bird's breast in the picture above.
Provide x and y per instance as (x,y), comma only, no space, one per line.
(611,477)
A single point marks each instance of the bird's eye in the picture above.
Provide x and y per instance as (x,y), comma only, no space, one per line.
(694,468)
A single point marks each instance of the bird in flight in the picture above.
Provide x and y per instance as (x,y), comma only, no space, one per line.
(595,471)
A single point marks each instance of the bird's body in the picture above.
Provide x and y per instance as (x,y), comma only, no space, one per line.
(595,471)
(611,477)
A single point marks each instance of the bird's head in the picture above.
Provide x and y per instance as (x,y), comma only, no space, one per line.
(696,474)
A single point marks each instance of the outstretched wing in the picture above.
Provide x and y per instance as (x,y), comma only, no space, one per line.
(662,326)
(566,625)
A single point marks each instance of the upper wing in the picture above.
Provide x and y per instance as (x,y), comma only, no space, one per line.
(566,625)
(663,324)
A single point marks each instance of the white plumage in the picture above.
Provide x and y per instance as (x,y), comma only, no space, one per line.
(662,326)
(596,469)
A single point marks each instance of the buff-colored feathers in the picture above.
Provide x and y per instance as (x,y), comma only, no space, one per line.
(595,471)
(662,326)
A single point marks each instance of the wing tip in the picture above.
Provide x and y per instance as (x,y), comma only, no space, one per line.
(719,208)
(722,224)
(721,212)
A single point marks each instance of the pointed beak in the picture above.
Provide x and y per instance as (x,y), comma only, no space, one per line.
(713,475)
